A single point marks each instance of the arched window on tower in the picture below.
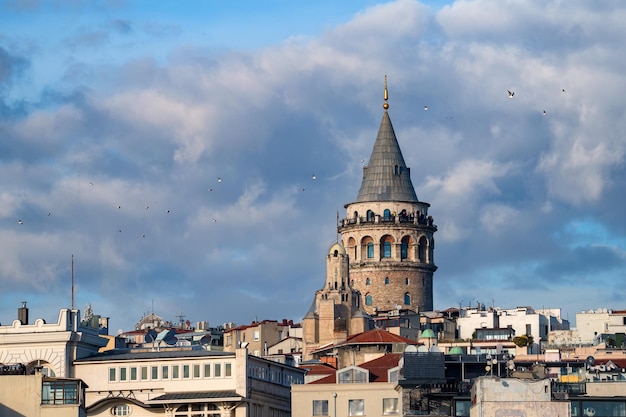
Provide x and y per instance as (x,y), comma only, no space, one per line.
(406,281)
(386,215)
(386,249)
(404,250)
(407,299)
(386,280)
(422,247)
(370,216)
(370,250)
(368,300)
(368,281)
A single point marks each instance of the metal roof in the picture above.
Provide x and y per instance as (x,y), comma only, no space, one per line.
(386,177)
(195,396)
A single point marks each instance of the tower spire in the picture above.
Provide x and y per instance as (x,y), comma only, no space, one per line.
(386,96)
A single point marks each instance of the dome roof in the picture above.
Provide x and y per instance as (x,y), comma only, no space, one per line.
(455,350)
(428,334)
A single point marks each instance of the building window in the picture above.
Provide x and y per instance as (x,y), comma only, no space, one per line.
(406,281)
(120,410)
(133,374)
(175,374)
(407,299)
(154,370)
(370,216)
(368,281)
(404,250)
(386,280)
(386,215)
(207,370)
(356,407)
(59,392)
(390,406)
(122,374)
(228,369)
(256,335)
(229,340)
(144,373)
(165,372)
(352,376)
(368,300)
(370,250)
(320,407)
(186,371)
(217,371)
(386,249)
(112,375)
(528,330)
(196,371)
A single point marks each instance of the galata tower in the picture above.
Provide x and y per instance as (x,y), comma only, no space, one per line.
(388,233)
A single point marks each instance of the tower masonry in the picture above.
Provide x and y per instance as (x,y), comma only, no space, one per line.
(388,234)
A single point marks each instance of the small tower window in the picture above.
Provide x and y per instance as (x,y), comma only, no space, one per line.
(368,300)
(406,281)
(386,249)
(386,215)
(386,280)
(370,250)
(404,250)
(407,299)
(367,281)
(370,216)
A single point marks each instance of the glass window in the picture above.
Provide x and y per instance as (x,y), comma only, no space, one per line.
(144,373)
(368,281)
(59,392)
(122,374)
(112,375)
(227,369)
(390,406)
(175,374)
(196,371)
(370,216)
(217,371)
(207,370)
(356,407)
(368,300)
(256,335)
(386,280)
(186,371)
(407,298)
(406,281)
(165,372)
(120,410)
(386,249)
(154,371)
(386,215)
(462,408)
(133,374)
(370,250)
(352,376)
(404,250)
(320,407)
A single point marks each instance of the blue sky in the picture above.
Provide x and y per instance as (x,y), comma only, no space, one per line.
(167,147)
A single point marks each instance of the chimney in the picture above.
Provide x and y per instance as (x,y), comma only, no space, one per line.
(22,313)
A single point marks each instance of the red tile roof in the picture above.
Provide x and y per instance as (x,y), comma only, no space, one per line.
(376,337)
(378,369)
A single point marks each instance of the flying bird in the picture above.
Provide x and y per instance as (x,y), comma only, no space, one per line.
(544,113)
(511,93)
(314,177)
(219,179)
(425,107)
(20,221)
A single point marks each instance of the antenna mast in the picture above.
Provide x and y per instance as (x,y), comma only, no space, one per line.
(72,281)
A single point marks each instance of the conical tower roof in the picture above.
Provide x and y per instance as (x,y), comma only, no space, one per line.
(386,177)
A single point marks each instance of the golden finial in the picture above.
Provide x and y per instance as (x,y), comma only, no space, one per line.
(386,105)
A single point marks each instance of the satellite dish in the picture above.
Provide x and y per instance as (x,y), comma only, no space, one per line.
(590,412)
(434,348)
(410,349)
(165,334)
(244,345)
(510,364)
(171,341)
(422,349)
(150,336)
(590,361)
(206,340)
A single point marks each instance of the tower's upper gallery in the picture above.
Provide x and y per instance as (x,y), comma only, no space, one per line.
(386,177)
